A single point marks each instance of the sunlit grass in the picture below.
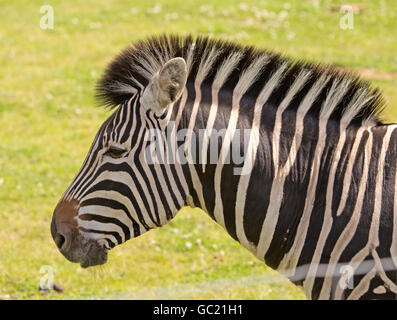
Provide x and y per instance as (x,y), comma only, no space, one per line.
(48,120)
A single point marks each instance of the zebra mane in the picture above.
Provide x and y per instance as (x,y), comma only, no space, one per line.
(345,96)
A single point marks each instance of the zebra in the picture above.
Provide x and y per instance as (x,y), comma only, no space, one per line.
(315,198)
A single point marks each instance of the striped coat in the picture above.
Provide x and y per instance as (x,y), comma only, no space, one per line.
(310,189)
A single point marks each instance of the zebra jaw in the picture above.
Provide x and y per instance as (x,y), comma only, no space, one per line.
(96,255)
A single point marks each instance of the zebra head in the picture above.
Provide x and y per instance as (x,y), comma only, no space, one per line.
(115,195)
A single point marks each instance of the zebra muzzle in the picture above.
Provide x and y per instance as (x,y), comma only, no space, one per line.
(70,242)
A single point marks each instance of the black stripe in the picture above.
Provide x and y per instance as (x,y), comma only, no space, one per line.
(112,233)
(114,205)
(109,185)
(104,219)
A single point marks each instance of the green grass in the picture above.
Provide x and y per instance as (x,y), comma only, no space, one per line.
(48,120)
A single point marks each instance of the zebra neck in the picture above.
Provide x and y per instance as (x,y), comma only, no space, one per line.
(306,173)
(246,205)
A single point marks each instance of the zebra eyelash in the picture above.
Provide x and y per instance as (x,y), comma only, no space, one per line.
(115,152)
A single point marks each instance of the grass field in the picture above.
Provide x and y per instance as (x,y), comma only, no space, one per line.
(48,121)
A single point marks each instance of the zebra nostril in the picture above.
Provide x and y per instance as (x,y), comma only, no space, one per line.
(60,241)
(64,228)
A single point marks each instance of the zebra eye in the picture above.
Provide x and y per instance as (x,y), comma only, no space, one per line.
(115,152)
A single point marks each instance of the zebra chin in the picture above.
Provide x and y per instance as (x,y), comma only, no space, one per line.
(73,245)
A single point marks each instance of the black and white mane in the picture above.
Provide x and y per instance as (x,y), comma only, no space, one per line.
(131,70)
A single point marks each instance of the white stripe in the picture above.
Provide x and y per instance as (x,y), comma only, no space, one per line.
(116,196)
(393,247)
(251,156)
(349,171)
(108,227)
(276,190)
(347,233)
(248,77)
(363,286)
(172,188)
(221,76)
(126,179)
(290,260)
(373,239)
(99,236)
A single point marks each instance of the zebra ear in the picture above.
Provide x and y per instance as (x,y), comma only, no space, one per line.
(166,86)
